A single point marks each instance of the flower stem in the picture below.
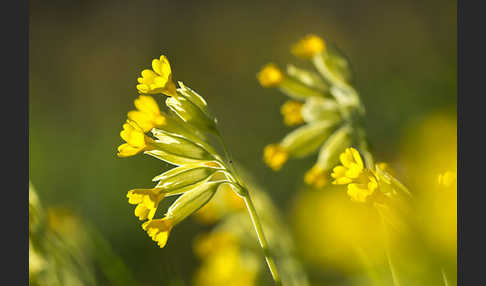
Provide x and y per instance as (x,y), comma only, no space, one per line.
(261,238)
(254,217)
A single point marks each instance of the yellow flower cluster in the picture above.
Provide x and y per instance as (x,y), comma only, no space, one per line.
(361,183)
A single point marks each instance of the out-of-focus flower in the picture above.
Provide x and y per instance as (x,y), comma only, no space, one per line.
(148,114)
(360,182)
(292,112)
(333,232)
(224,202)
(270,76)
(316,176)
(275,156)
(224,262)
(308,46)
(158,79)
(447,179)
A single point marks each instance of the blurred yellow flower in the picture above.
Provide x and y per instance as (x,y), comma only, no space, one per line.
(148,114)
(308,46)
(292,112)
(361,182)
(157,80)
(147,201)
(275,156)
(316,177)
(158,230)
(136,140)
(270,76)
(205,245)
(351,168)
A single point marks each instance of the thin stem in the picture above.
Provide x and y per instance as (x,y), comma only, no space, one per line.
(444,277)
(393,271)
(254,217)
(261,238)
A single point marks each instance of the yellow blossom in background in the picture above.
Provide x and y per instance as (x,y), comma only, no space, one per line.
(275,156)
(148,114)
(361,182)
(147,201)
(158,79)
(332,232)
(308,46)
(316,177)
(270,76)
(158,230)
(292,112)
(205,245)
(136,140)
(224,202)
(351,168)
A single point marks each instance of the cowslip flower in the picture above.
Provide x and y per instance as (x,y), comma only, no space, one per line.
(361,183)
(275,156)
(136,140)
(158,79)
(147,201)
(308,46)
(148,114)
(270,76)
(292,113)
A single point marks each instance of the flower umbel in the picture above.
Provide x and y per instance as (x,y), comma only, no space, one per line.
(158,79)
(292,112)
(148,114)
(270,76)
(308,46)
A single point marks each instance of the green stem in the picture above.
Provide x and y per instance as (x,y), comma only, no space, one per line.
(254,217)
(261,238)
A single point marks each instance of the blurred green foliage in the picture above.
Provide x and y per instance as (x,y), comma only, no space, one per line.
(85,57)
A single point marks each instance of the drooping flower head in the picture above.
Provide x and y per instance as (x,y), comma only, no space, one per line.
(158,79)
(148,114)
(292,112)
(136,140)
(270,76)
(308,46)
(275,156)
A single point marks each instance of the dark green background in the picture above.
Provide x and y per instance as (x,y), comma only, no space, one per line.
(85,57)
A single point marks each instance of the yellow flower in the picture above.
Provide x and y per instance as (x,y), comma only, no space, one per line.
(316,177)
(291,111)
(136,140)
(275,156)
(352,167)
(148,114)
(361,182)
(308,46)
(206,244)
(158,230)
(270,76)
(447,179)
(158,79)
(147,201)
(361,191)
